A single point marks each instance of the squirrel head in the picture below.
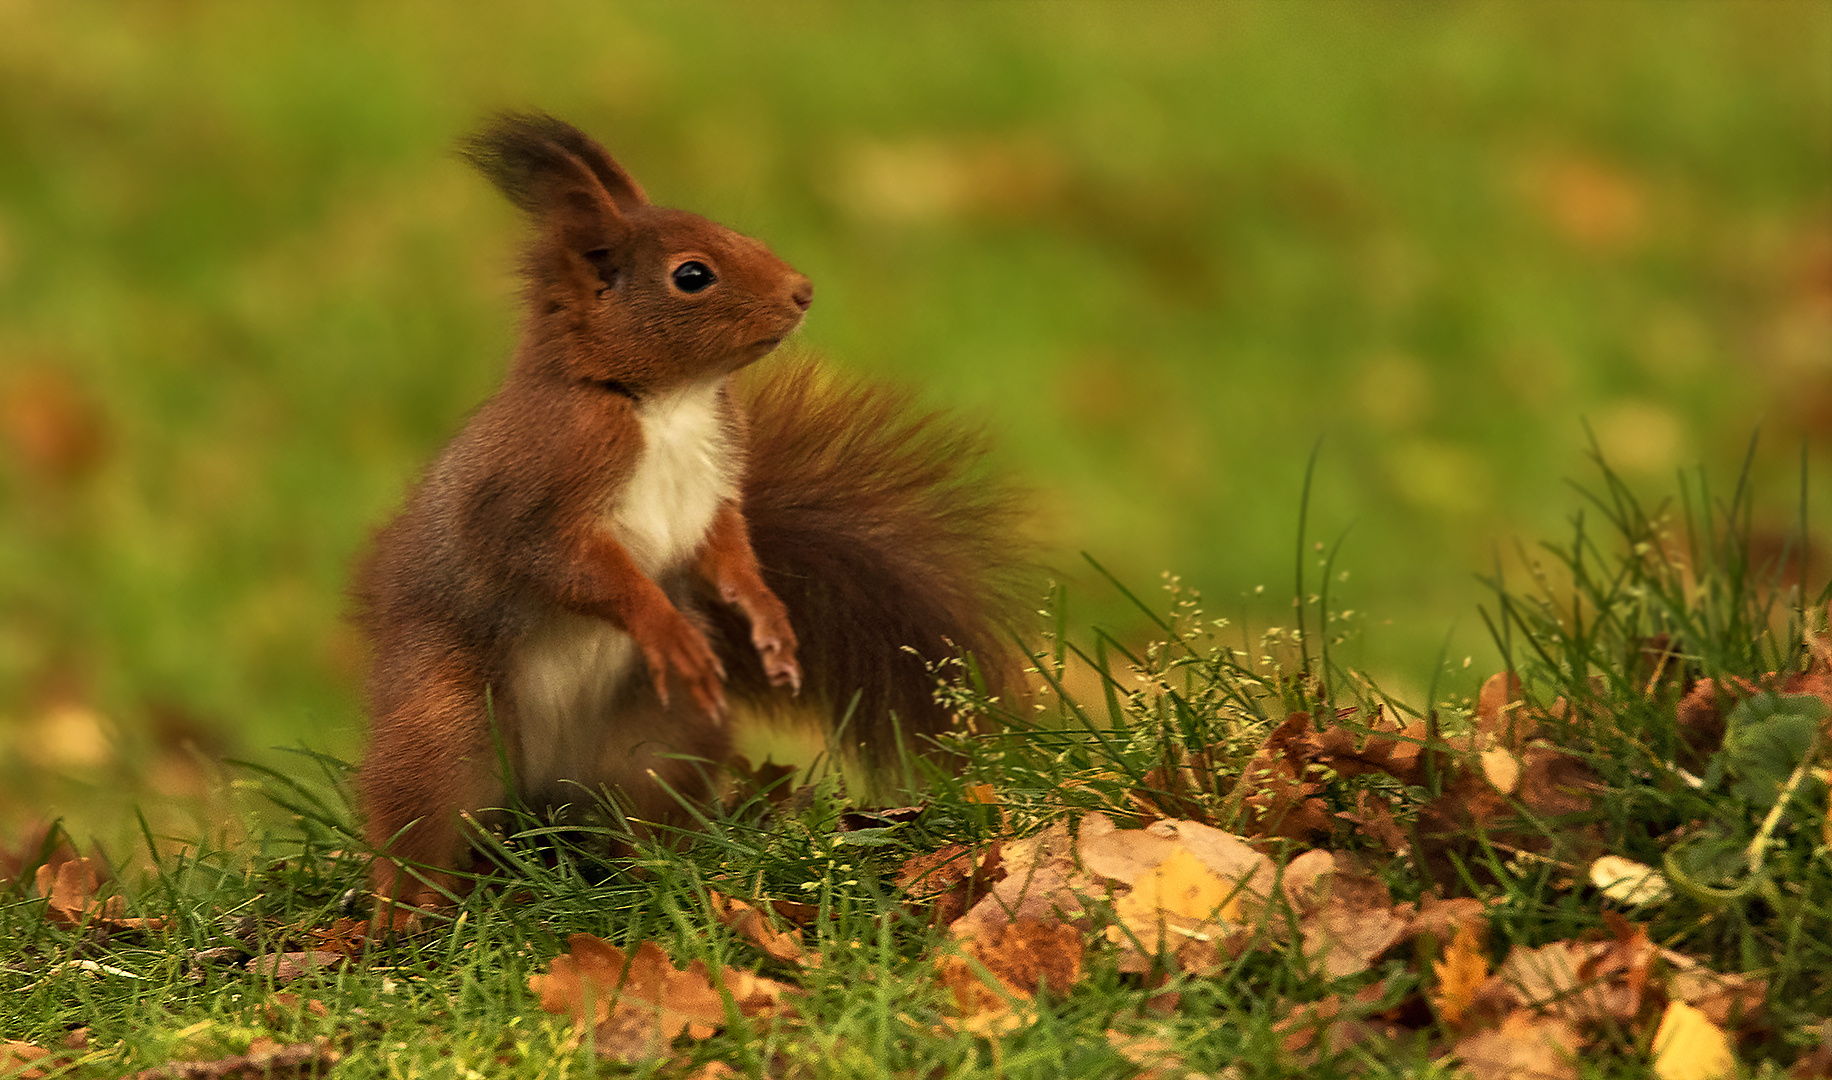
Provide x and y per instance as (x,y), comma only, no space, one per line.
(623,293)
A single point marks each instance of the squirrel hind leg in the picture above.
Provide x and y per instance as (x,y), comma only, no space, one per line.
(661,764)
(430,762)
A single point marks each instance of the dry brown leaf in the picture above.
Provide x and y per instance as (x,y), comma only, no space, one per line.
(1326,1028)
(1441,918)
(748,923)
(636,1006)
(287,967)
(1729,1001)
(1346,918)
(1151,1053)
(1388,749)
(1031,955)
(1600,982)
(1498,705)
(1524,1047)
(952,878)
(1050,889)
(1374,818)
(1023,959)
(1552,785)
(71,887)
(265,1058)
(1688,1046)
(16,1060)
(347,936)
(35,842)
(1815,1064)
(1460,973)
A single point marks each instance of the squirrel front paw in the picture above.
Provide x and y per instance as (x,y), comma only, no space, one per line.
(672,644)
(772,636)
(776,648)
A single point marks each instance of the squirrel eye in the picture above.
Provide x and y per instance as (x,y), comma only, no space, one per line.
(693,276)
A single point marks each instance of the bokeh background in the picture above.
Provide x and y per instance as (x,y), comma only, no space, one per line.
(1160,250)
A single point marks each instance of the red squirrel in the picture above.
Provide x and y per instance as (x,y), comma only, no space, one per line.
(624,535)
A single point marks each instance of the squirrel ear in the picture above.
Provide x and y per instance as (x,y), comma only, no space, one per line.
(526,155)
(618,184)
(562,179)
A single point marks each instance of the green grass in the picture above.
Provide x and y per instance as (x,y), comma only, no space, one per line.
(453,999)
(1159,250)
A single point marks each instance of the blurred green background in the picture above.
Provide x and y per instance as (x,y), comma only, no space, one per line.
(246,290)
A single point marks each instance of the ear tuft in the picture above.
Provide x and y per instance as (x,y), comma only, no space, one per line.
(524,154)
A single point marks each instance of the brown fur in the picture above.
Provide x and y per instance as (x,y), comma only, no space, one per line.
(528,597)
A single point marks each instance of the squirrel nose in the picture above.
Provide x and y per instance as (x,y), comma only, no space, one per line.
(803,293)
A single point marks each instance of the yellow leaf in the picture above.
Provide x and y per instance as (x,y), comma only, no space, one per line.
(984,794)
(1180,890)
(1688,1046)
(1629,882)
(1462,970)
(1502,770)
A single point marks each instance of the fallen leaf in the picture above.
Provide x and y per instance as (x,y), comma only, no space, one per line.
(1180,887)
(1460,973)
(1153,1054)
(1388,748)
(1441,918)
(41,844)
(1599,982)
(952,878)
(16,1060)
(748,923)
(1051,889)
(1325,1028)
(855,820)
(635,1007)
(1815,1064)
(1524,1047)
(1628,882)
(1022,960)
(1031,956)
(1498,707)
(265,1058)
(1501,769)
(290,966)
(1729,1001)
(347,936)
(1374,818)
(1346,918)
(1688,1046)
(71,888)
(984,794)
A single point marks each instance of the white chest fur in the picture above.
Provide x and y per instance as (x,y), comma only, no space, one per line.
(688,467)
(567,671)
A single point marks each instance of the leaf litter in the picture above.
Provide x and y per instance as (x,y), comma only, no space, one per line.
(1023,919)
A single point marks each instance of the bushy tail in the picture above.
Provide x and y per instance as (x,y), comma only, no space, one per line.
(894,553)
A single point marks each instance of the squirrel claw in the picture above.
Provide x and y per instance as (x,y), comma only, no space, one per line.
(782,669)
